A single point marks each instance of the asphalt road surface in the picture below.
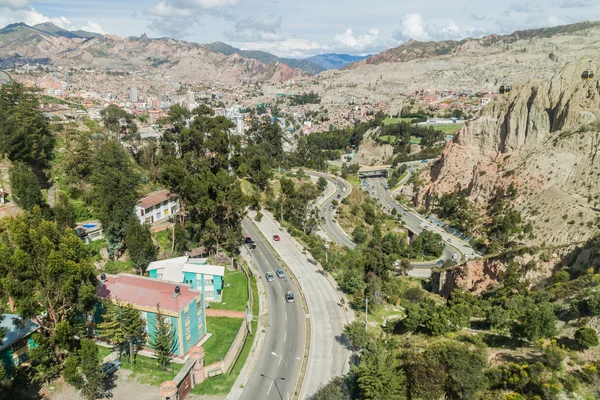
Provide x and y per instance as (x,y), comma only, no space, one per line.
(327,211)
(283,348)
(329,355)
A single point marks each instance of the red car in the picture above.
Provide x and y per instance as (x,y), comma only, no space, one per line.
(276,238)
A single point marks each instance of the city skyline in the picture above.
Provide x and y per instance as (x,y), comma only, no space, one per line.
(298,30)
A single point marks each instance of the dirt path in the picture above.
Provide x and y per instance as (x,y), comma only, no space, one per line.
(224,313)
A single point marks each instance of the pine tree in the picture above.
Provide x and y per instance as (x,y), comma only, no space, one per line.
(140,247)
(82,370)
(123,326)
(163,340)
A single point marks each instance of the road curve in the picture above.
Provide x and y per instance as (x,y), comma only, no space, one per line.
(329,355)
(329,226)
(285,334)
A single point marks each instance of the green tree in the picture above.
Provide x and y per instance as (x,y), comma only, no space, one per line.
(379,375)
(586,337)
(82,370)
(64,212)
(356,334)
(47,364)
(537,322)
(113,195)
(163,340)
(358,235)
(46,271)
(26,187)
(118,121)
(322,183)
(138,241)
(24,133)
(123,326)
(333,390)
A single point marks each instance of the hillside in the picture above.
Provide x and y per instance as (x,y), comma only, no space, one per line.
(335,61)
(305,65)
(413,49)
(20,43)
(544,140)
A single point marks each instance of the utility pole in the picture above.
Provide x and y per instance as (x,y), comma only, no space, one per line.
(366,314)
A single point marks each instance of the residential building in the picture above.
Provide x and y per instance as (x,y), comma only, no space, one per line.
(133,95)
(182,306)
(17,340)
(191,271)
(156,206)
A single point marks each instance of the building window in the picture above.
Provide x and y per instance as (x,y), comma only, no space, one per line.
(19,344)
(160,275)
(21,359)
(158,215)
(210,294)
(188,330)
(142,212)
(208,281)
(187,316)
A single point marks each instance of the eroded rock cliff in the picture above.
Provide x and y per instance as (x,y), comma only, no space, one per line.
(544,137)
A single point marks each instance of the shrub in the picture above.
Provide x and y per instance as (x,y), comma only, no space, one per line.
(586,337)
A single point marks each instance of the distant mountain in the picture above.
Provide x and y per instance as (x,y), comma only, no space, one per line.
(184,61)
(413,49)
(262,56)
(335,61)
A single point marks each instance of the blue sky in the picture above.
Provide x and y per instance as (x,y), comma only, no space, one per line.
(304,27)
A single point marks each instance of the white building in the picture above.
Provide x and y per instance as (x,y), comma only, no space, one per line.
(156,206)
(133,95)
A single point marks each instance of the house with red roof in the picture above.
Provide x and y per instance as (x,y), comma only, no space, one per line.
(182,305)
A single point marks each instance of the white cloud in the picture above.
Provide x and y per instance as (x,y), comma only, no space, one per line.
(14,4)
(32,17)
(294,48)
(358,43)
(256,29)
(176,18)
(412,27)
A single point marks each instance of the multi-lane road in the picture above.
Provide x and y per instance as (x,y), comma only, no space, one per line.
(329,355)
(278,366)
(341,189)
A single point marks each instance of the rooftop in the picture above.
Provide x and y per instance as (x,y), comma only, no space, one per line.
(146,292)
(154,198)
(15,332)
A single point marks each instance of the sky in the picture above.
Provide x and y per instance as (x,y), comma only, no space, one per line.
(301,28)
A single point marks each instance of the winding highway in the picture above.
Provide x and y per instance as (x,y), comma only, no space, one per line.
(278,366)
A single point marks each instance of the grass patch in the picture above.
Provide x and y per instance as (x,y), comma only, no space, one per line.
(449,129)
(224,330)
(387,139)
(103,351)
(95,247)
(116,267)
(235,296)
(353,180)
(147,370)
(163,238)
(415,140)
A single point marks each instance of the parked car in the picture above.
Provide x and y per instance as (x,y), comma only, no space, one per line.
(110,367)
(276,238)
(280,273)
(440,262)
(248,240)
(270,277)
(289,296)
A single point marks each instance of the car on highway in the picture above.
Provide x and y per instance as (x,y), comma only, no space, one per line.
(248,240)
(339,196)
(280,273)
(276,238)
(270,276)
(344,189)
(289,296)
(450,240)
(455,256)
(330,208)
(110,367)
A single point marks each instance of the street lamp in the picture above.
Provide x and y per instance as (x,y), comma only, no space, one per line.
(275,382)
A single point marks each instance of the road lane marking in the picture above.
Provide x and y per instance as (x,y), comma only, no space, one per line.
(270,386)
(284,335)
(286,315)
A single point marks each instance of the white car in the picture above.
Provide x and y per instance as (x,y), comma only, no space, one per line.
(344,189)
(449,240)
(455,256)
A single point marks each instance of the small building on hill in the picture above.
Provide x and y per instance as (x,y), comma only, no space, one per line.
(191,271)
(156,207)
(183,305)
(17,340)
